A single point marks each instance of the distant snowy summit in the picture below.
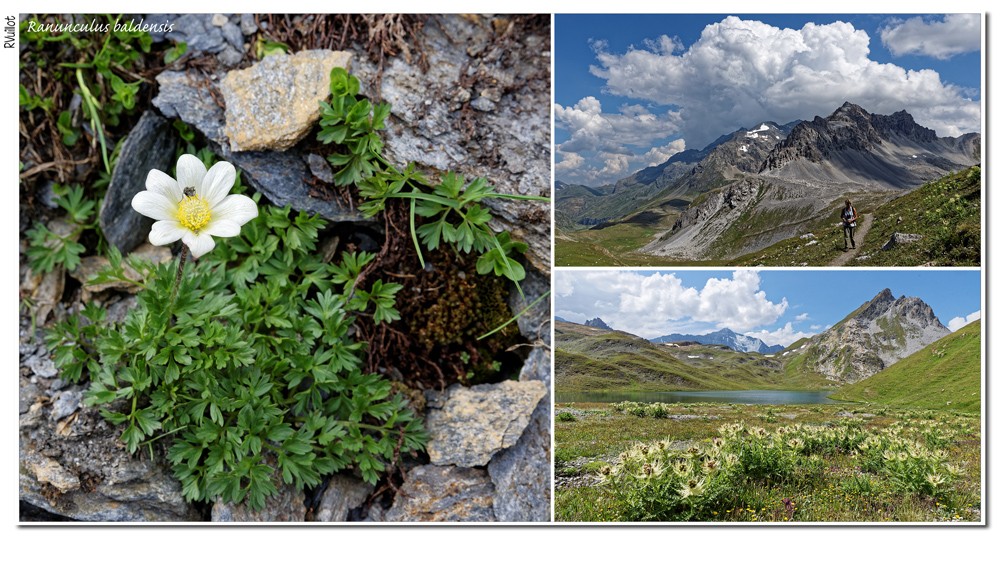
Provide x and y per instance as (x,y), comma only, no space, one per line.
(724,337)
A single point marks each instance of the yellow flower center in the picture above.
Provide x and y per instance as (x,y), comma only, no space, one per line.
(193,213)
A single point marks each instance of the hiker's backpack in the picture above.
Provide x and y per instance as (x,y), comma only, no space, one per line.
(850,215)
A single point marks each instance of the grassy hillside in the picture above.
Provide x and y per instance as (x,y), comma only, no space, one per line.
(823,241)
(945,213)
(945,375)
(590,359)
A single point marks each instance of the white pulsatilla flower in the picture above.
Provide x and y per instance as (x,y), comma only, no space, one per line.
(195,207)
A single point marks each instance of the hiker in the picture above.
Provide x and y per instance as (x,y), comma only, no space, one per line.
(850,218)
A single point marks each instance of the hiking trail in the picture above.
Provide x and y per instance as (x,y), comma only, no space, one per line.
(859,240)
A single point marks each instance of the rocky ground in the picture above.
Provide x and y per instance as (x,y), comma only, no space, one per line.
(472,97)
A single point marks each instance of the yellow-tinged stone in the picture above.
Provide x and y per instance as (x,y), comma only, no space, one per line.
(274,104)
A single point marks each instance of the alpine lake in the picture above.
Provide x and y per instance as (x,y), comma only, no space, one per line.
(739,397)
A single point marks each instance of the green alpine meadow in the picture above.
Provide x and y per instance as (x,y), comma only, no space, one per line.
(874,418)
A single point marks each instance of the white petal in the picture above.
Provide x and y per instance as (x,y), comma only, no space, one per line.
(166,232)
(217,182)
(154,205)
(222,228)
(162,183)
(198,243)
(190,171)
(236,208)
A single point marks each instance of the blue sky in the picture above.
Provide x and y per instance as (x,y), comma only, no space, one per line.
(778,306)
(631,90)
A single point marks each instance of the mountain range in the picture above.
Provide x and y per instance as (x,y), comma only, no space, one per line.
(754,187)
(876,335)
(724,337)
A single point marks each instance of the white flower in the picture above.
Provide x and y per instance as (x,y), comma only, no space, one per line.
(692,488)
(195,207)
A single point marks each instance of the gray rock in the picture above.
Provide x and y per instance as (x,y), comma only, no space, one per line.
(443,494)
(66,403)
(75,467)
(375,514)
(198,32)
(57,385)
(150,144)
(289,505)
(521,474)
(901,238)
(279,115)
(48,195)
(534,323)
(491,94)
(120,308)
(78,469)
(27,392)
(28,340)
(230,56)
(483,104)
(538,367)
(45,290)
(320,168)
(219,20)
(281,177)
(468,425)
(343,494)
(42,365)
(247,24)
(159,21)
(233,35)
(423,128)
(186,96)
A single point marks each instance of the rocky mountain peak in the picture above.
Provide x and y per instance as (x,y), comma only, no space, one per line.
(877,306)
(596,322)
(902,123)
(851,112)
(916,310)
(881,332)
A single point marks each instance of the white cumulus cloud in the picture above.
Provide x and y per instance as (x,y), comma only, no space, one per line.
(941,39)
(959,322)
(660,303)
(604,147)
(783,336)
(659,155)
(802,317)
(742,72)
(568,162)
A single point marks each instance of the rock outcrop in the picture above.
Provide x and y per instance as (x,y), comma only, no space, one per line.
(878,334)
(597,322)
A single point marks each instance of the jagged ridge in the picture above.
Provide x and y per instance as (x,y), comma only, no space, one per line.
(724,337)
(876,335)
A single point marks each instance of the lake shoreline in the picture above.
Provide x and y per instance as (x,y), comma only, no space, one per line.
(741,396)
